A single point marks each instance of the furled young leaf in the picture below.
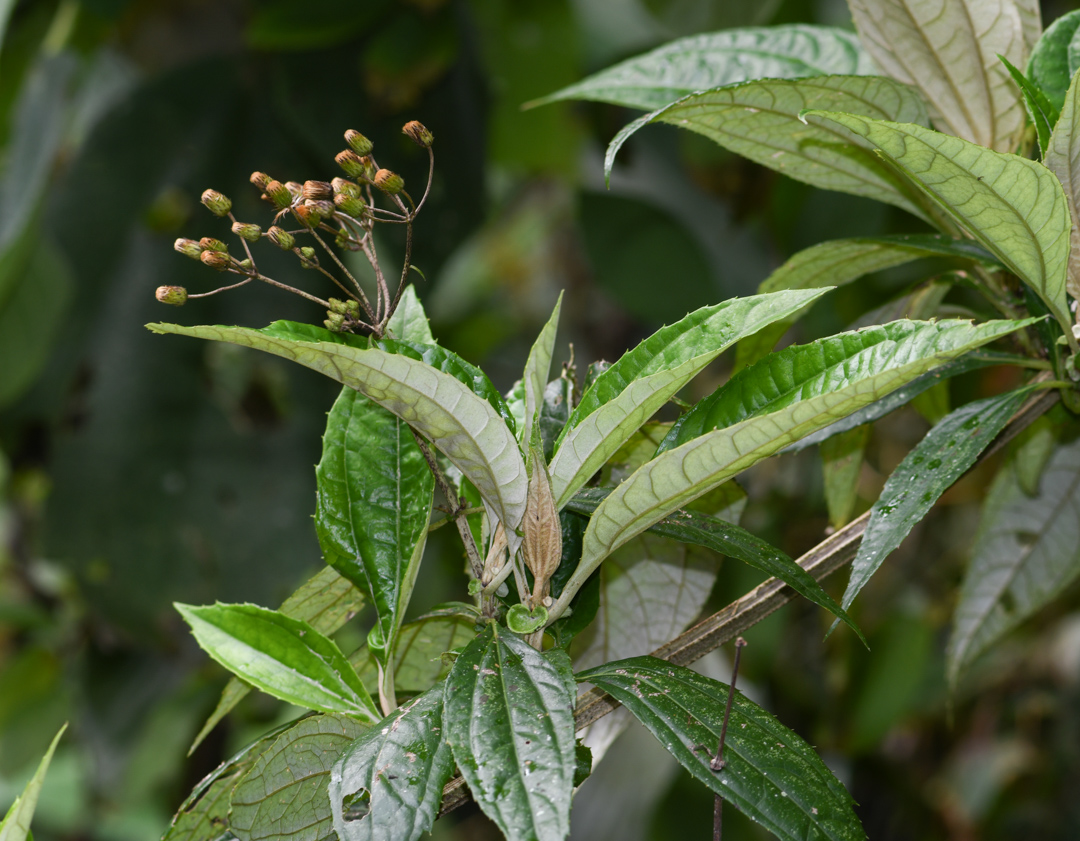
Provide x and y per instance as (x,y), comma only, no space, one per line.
(409,321)
(535,378)
(1013,206)
(1042,112)
(682,67)
(16,823)
(784,397)
(1048,66)
(283,657)
(1027,552)
(326,601)
(509,720)
(760,120)
(769,774)
(840,261)
(842,461)
(465,427)
(1063,159)
(388,783)
(946,452)
(629,392)
(418,655)
(949,50)
(375,492)
(284,793)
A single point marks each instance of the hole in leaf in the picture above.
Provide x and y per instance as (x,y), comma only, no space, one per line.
(356,806)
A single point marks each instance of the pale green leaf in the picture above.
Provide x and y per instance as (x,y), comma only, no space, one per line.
(409,321)
(466,428)
(535,378)
(948,49)
(1027,551)
(1013,206)
(1063,159)
(670,72)
(16,823)
(760,120)
(418,656)
(842,461)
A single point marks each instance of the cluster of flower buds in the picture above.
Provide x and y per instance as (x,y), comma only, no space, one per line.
(341,315)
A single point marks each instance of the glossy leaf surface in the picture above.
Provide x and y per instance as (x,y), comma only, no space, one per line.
(1048,66)
(463,426)
(1026,553)
(688,65)
(760,121)
(388,783)
(770,774)
(1013,206)
(283,657)
(1042,112)
(16,823)
(944,455)
(509,720)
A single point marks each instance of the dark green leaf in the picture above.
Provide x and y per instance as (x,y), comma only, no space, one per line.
(555,411)
(682,67)
(1042,112)
(770,774)
(284,793)
(509,721)
(392,776)
(841,462)
(283,657)
(1048,66)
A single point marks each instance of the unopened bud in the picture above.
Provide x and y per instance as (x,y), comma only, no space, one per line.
(346,188)
(245,265)
(321,206)
(216,203)
(247,230)
(188,247)
(278,193)
(172,295)
(295,188)
(307,254)
(389,182)
(350,206)
(281,238)
(541,547)
(351,162)
(211,244)
(335,322)
(358,143)
(260,180)
(417,134)
(317,190)
(336,306)
(352,307)
(308,216)
(216,260)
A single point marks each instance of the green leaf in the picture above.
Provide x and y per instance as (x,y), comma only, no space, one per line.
(1063,159)
(283,657)
(374,503)
(842,461)
(770,774)
(1014,207)
(465,427)
(509,721)
(949,50)
(409,321)
(16,823)
(772,404)
(944,455)
(1027,551)
(555,410)
(670,72)
(418,655)
(285,792)
(1042,112)
(326,601)
(1048,66)
(840,261)
(629,392)
(760,121)
(535,378)
(388,783)
(728,539)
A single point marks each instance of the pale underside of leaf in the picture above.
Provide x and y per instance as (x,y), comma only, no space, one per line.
(948,49)
(409,321)
(537,367)
(1063,159)
(760,120)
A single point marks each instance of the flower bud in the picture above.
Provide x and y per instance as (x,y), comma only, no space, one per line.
(247,230)
(541,547)
(317,190)
(417,134)
(350,206)
(278,193)
(335,322)
(216,203)
(358,143)
(346,187)
(216,260)
(307,254)
(352,307)
(245,265)
(336,305)
(351,162)
(295,188)
(321,206)
(389,182)
(211,244)
(172,295)
(281,238)
(188,247)
(308,216)
(260,180)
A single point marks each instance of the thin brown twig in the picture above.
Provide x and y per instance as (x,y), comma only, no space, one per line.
(717,763)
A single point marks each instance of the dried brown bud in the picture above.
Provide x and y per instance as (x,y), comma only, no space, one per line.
(389,182)
(172,295)
(279,194)
(350,206)
(358,143)
(351,162)
(281,238)
(260,179)
(211,244)
(247,230)
(296,189)
(216,203)
(216,260)
(542,543)
(317,190)
(417,134)
(188,247)
(307,216)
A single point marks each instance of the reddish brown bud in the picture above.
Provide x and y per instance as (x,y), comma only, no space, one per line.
(281,238)
(358,143)
(389,182)
(216,260)
(188,247)
(260,179)
(211,244)
(279,194)
(246,230)
(172,295)
(317,190)
(417,134)
(216,203)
